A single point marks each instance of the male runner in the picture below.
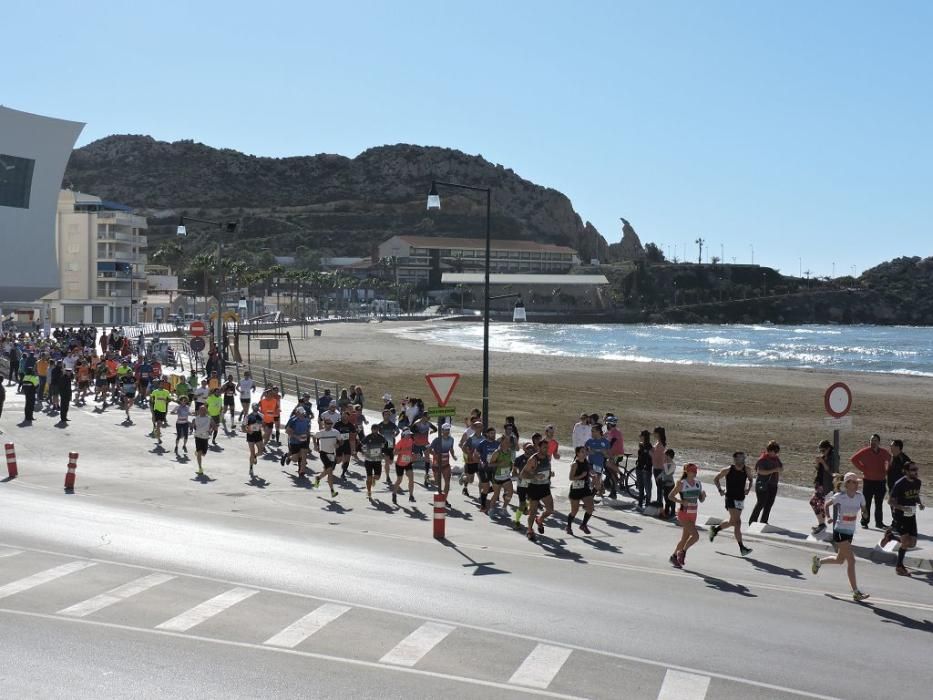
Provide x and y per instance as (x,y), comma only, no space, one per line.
(326,442)
(160,398)
(203,425)
(298,429)
(374,446)
(346,426)
(246,387)
(404,457)
(471,457)
(440,452)
(905,499)
(739,480)
(229,390)
(215,409)
(389,430)
(538,471)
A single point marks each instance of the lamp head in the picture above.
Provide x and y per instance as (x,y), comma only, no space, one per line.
(181,231)
(434,199)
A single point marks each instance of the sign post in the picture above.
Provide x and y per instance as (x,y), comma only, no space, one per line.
(442,385)
(268,344)
(838,402)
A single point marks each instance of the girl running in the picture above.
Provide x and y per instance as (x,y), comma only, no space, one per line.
(580,490)
(822,484)
(689,494)
(850,502)
(183,411)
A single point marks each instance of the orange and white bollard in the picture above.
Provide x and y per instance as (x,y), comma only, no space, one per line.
(440,515)
(72,467)
(11,469)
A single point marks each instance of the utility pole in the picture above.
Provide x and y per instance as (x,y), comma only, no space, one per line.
(700,242)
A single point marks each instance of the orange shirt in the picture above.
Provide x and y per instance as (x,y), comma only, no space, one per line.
(268,407)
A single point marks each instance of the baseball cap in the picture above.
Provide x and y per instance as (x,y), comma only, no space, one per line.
(445,426)
(850,476)
(300,411)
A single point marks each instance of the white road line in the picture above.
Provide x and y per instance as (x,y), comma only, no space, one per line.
(298,631)
(678,685)
(10,553)
(127,590)
(412,649)
(540,666)
(24,584)
(206,610)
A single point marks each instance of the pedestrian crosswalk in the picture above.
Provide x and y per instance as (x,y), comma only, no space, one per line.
(93,591)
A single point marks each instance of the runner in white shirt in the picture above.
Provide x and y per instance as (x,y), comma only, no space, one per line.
(325,441)
(331,414)
(850,502)
(245,387)
(203,427)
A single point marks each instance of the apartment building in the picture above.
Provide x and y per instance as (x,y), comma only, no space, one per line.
(101,261)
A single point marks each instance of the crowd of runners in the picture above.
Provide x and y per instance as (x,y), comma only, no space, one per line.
(404,446)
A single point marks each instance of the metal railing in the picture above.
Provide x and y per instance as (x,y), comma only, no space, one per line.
(286,381)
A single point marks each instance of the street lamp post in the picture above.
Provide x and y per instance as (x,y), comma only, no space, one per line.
(228,227)
(434,202)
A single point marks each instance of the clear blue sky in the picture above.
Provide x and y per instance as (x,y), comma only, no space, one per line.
(802,128)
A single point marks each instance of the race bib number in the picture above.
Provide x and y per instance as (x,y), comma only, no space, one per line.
(690,508)
(578,484)
(908,511)
(373,454)
(739,505)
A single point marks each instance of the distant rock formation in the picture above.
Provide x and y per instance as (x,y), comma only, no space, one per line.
(630,247)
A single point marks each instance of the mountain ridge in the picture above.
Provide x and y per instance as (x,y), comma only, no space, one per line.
(326,201)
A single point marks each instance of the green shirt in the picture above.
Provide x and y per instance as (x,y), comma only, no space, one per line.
(215,405)
(182,388)
(160,399)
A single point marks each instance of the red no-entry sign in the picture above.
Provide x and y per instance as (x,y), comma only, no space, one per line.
(838,400)
(197,328)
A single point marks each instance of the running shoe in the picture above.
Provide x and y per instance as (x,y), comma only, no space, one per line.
(517,517)
(858,596)
(540,526)
(585,529)
(815,564)
(250,472)
(282,461)
(902,571)
(681,558)
(713,531)
(884,540)
(200,472)
(447,503)
(465,492)
(569,530)
(395,498)
(185,449)
(411,499)
(745,551)
(818,529)
(531,536)
(333,494)
(675,562)
(317,482)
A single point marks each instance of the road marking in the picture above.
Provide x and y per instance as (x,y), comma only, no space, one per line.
(206,610)
(540,666)
(127,590)
(298,631)
(655,663)
(678,685)
(412,649)
(294,652)
(24,584)
(10,553)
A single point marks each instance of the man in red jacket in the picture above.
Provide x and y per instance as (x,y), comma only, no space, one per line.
(873,462)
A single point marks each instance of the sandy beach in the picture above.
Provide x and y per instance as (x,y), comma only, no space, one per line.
(708,412)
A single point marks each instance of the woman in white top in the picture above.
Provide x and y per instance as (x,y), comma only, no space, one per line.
(850,502)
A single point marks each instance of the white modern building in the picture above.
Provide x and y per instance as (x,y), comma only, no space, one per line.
(423,259)
(34,151)
(101,261)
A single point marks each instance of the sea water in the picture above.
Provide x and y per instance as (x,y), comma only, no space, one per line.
(884,349)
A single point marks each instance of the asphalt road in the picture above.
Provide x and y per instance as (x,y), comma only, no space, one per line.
(147,582)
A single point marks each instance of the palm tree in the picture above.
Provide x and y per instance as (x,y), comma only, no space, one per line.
(201,267)
(171,254)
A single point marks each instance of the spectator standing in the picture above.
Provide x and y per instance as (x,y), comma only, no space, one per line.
(873,462)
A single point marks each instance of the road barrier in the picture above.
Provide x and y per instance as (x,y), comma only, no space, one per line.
(70,475)
(440,515)
(11,469)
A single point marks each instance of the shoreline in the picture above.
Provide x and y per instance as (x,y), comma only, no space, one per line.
(709,411)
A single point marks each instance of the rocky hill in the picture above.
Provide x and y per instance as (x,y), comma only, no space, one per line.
(327,203)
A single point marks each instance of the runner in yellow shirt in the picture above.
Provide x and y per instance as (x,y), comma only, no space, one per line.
(215,409)
(159,398)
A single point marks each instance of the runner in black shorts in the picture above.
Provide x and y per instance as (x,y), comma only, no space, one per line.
(905,499)
(538,471)
(374,447)
(471,457)
(229,392)
(252,426)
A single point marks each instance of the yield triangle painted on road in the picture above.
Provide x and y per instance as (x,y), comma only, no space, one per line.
(442,386)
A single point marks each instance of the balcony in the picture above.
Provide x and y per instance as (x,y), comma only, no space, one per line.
(121,218)
(121,237)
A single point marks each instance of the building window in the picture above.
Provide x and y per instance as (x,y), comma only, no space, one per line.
(15,181)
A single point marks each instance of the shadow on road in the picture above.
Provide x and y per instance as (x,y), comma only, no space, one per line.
(486,568)
(889,616)
(203,478)
(766,567)
(723,585)
(619,525)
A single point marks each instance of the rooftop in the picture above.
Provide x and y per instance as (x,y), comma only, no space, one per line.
(504,278)
(480,244)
